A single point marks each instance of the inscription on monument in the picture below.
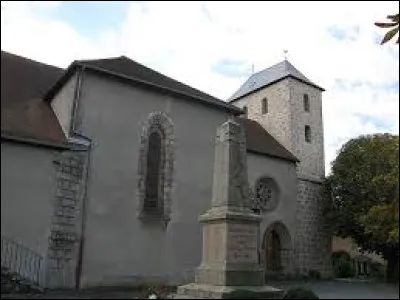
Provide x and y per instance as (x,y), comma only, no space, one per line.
(243,244)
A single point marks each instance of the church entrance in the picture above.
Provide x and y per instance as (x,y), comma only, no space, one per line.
(277,250)
(273,252)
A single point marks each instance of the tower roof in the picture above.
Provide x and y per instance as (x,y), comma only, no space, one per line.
(269,76)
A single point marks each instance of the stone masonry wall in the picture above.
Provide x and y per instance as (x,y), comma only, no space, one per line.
(311,155)
(286,121)
(312,240)
(277,120)
(65,236)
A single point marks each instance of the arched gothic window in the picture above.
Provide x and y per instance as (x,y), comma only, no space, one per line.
(153,202)
(156,161)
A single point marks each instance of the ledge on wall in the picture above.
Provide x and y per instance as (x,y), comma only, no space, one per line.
(157,220)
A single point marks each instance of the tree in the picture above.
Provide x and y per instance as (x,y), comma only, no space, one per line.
(394,25)
(363,189)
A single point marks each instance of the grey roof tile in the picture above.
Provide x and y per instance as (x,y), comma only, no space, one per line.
(268,76)
(262,142)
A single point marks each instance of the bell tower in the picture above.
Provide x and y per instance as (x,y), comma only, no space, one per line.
(289,106)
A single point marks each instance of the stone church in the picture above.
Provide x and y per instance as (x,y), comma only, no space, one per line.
(107,165)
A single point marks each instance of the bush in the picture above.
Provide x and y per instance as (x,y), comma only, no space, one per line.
(340,256)
(378,270)
(344,269)
(242,294)
(342,266)
(300,293)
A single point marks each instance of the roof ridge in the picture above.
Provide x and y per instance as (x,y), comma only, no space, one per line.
(287,65)
(99,59)
(31,60)
(129,69)
(153,71)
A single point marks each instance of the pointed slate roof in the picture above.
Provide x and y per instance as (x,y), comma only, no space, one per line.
(269,76)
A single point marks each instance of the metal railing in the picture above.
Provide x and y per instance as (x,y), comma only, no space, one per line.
(18,259)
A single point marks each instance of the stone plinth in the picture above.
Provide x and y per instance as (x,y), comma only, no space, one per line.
(201,291)
(230,229)
(230,241)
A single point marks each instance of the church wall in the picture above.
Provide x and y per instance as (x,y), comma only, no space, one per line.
(120,249)
(62,104)
(283,172)
(28,183)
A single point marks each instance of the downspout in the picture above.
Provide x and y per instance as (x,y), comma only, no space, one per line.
(88,146)
(79,264)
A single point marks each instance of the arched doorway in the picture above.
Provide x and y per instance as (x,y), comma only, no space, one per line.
(277,250)
(273,250)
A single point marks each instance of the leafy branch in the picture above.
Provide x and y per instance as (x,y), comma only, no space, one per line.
(394,25)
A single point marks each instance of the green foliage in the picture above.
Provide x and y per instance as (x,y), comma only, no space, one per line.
(344,269)
(342,266)
(363,189)
(377,270)
(394,28)
(340,255)
(379,220)
(300,293)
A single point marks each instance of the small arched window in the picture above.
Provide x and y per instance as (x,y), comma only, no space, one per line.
(245,112)
(264,106)
(307,133)
(306,103)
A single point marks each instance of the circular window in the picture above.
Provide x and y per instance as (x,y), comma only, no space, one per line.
(266,195)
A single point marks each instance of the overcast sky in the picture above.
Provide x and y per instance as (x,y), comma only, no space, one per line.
(212,46)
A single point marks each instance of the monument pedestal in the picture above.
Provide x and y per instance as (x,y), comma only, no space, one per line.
(230,257)
(202,291)
(230,241)
(230,228)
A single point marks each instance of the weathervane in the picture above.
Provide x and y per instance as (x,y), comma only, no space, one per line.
(285,52)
